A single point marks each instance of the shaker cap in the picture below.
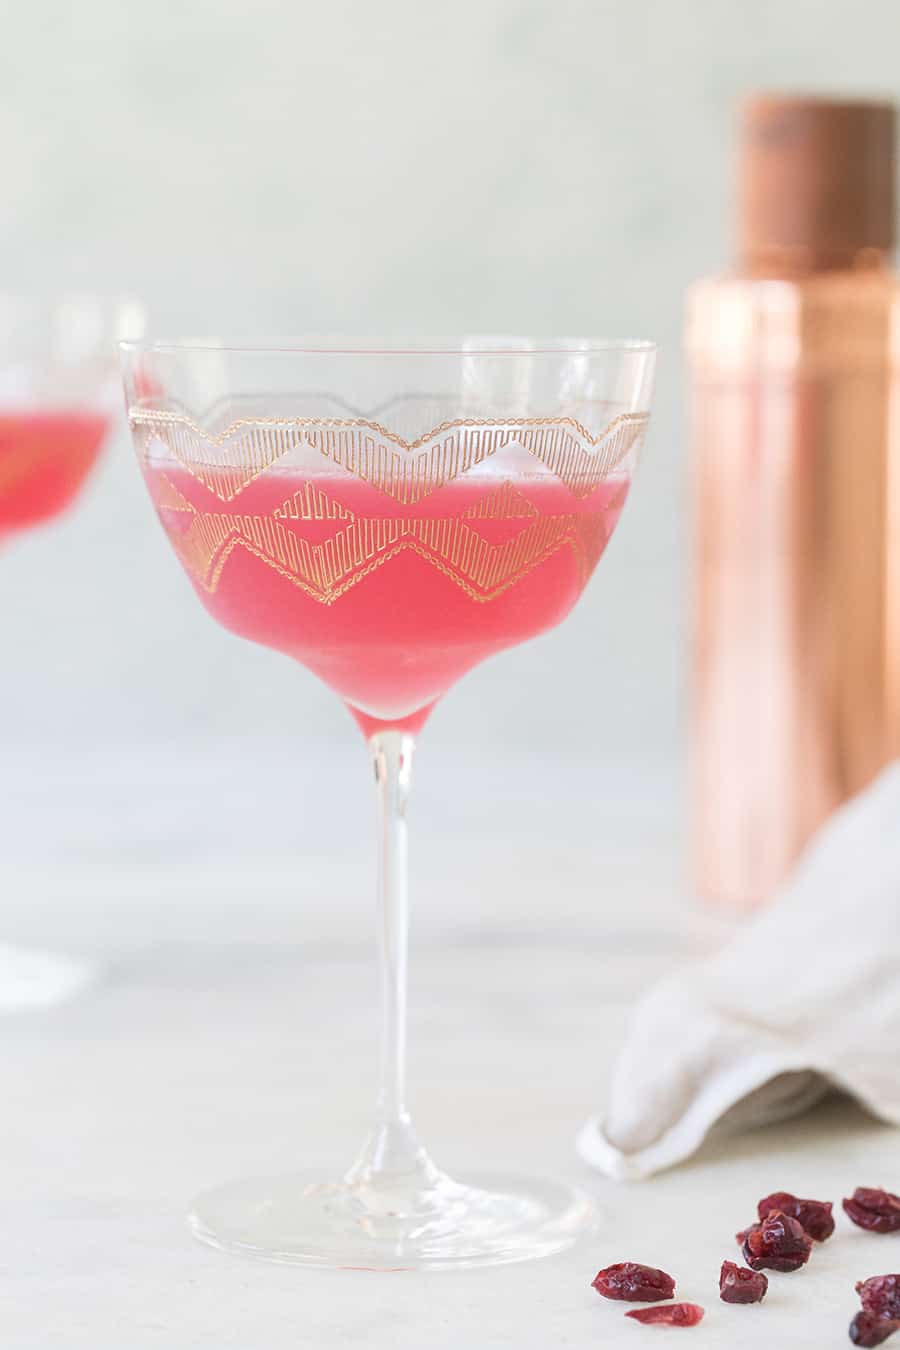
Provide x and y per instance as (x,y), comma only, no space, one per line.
(817,178)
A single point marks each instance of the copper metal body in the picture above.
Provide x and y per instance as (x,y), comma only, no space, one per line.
(796,657)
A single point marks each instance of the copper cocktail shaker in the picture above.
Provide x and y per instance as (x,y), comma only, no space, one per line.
(795,383)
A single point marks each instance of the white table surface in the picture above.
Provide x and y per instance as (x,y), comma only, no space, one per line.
(226,898)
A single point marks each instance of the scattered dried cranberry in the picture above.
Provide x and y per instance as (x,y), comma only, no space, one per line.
(739,1285)
(876,1211)
(672,1315)
(868,1330)
(814,1215)
(880,1296)
(779,1243)
(633,1283)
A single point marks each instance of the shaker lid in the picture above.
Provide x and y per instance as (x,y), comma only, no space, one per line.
(817,178)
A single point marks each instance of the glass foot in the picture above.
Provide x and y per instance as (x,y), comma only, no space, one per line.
(445,1225)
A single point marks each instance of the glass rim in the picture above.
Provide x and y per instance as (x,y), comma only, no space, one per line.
(477,345)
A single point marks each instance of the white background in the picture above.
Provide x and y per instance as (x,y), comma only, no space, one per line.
(531,166)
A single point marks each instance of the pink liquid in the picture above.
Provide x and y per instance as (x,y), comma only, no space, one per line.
(433,589)
(44,460)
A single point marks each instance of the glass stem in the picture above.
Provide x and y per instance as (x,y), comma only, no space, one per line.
(392,753)
(392,1156)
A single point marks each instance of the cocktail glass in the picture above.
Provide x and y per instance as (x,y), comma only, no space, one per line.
(59,393)
(58,397)
(389,515)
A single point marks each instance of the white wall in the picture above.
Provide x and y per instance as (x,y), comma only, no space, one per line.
(259,165)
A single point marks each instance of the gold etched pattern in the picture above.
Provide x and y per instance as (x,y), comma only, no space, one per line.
(405,470)
(168,498)
(311,503)
(504,503)
(326,570)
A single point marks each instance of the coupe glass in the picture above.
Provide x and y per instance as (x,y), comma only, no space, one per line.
(59,393)
(389,515)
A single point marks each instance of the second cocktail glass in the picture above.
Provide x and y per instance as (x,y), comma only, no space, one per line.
(59,397)
(389,516)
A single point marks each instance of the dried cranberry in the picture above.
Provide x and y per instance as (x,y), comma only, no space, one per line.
(814,1215)
(778,1243)
(633,1283)
(876,1211)
(868,1330)
(880,1296)
(739,1285)
(672,1315)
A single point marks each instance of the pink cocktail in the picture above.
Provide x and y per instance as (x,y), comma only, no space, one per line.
(57,397)
(389,517)
(388,604)
(45,457)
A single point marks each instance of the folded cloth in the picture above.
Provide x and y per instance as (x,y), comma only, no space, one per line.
(805,999)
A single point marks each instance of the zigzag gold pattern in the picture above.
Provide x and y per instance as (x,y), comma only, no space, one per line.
(504,503)
(405,470)
(326,570)
(311,503)
(169,498)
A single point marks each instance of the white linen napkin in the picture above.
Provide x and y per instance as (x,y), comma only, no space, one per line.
(806,998)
